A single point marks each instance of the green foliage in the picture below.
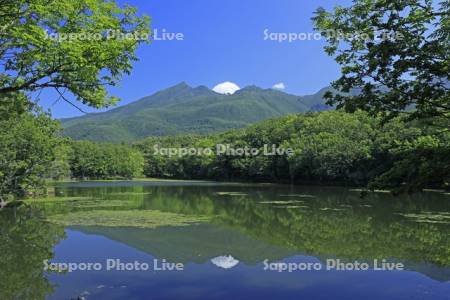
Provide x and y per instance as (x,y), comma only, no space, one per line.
(60,167)
(50,45)
(29,144)
(327,147)
(69,46)
(102,161)
(406,65)
(420,163)
(332,146)
(161,166)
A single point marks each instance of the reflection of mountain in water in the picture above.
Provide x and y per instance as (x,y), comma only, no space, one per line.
(203,243)
(432,271)
(273,222)
(196,243)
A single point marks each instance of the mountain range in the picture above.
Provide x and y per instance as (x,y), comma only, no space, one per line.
(182,109)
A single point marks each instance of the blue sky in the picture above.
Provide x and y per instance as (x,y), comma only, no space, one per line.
(223,41)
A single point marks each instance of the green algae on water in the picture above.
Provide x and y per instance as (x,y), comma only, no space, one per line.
(128,218)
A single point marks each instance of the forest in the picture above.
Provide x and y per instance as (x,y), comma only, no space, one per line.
(331,147)
(393,133)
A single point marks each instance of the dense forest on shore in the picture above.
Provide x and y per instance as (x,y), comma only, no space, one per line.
(393,133)
(330,147)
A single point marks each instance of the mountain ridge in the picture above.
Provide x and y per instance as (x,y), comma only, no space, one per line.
(182,109)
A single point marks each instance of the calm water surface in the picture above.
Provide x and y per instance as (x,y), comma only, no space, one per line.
(230,240)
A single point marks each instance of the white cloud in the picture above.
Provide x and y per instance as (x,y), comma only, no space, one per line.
(225,262)
(226,88)
(279,86)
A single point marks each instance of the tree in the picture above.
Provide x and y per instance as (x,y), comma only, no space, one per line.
(71,46)
(102,161)
(77,46)
(417,164)
(332,146)
(28,147)
(394,56)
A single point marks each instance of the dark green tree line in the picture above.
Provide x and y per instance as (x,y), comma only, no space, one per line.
(101,161)
(328,147)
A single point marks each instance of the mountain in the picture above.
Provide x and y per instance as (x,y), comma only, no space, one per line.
(192,244)
(183,109)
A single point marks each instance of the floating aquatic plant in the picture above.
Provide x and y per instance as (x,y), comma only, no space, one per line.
(127,218)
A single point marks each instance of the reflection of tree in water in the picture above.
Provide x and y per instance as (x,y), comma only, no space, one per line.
(318,221)
(333,223)
(26,240)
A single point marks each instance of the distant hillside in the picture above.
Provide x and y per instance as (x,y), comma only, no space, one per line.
(184,109)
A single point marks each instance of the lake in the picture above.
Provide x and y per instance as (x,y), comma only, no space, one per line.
(204,240)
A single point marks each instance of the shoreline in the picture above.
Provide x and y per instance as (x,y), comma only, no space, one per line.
(352,188)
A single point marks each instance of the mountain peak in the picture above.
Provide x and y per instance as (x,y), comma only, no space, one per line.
(250,88)
(182,84)
(184,109)
(176,89)
(202,88)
